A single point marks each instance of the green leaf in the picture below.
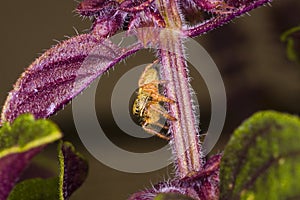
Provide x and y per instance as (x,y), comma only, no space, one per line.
(19,143)
(172,196)
(35,189)
(292,39)
(26,133)
(262,159)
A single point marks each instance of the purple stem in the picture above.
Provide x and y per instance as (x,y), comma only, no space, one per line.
(185,141)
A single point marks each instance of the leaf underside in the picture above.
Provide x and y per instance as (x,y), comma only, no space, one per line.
(73,170)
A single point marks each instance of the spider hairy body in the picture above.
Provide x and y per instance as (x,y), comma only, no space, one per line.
(147,104)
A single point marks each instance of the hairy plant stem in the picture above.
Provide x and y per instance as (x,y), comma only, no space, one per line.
(185,141)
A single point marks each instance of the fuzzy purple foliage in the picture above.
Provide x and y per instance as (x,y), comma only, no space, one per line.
(75,170)
(48,84)
(57,76)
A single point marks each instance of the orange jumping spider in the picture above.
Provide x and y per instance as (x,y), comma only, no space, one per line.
(147,104)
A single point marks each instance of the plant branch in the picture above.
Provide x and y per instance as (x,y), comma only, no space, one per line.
(185,141)
(219,20)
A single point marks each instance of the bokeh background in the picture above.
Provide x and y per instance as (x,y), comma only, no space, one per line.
(248,52)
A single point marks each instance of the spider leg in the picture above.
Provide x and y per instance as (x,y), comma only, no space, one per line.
(160,125)
(160,82)
(161,98)
(153,132)
(151,90)
(161,111)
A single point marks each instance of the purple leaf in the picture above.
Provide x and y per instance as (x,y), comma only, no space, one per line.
(241,7)
(97,7)
(74,170)
(11,167)
(90,7)
(59,75)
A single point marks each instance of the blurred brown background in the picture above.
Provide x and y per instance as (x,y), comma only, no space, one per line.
(247,51)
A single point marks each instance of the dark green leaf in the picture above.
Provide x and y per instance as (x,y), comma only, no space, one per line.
(35,189)
(292,39)
(262,159)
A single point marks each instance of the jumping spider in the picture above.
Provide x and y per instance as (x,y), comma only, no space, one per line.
(147,104)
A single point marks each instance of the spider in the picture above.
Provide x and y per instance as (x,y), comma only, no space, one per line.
(147,104)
